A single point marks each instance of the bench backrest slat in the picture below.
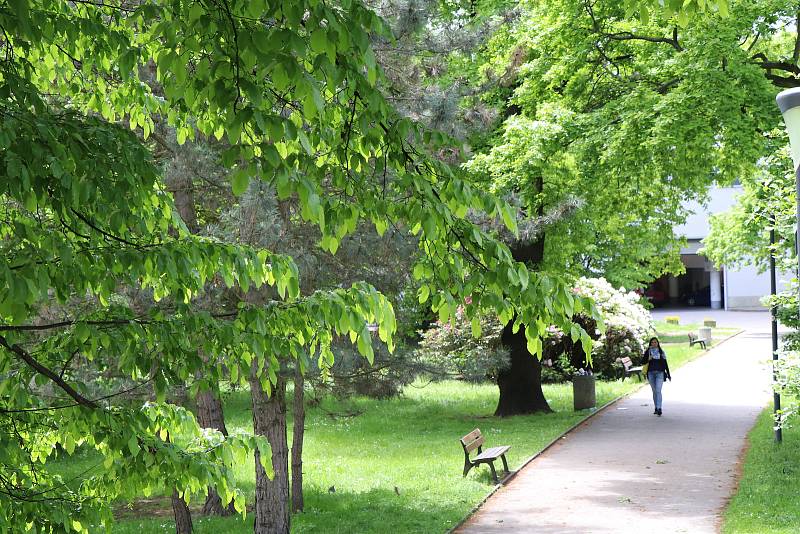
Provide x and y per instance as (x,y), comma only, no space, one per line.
(691,336)
(473,440)
(626,362)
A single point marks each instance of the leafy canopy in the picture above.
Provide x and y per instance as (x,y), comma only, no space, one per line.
(632,118)
(103,283)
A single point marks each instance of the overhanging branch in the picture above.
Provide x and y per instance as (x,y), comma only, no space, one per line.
(41,369)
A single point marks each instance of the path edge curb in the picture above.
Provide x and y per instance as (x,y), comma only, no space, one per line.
(561,436)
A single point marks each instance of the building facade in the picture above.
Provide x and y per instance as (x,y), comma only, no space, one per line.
(705,284)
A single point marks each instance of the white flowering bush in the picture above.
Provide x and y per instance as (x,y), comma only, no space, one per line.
(628,324)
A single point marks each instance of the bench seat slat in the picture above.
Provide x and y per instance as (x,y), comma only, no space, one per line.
(491,454)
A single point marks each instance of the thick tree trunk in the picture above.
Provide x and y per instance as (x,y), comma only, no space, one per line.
(210,415)
(521,384)
(299,414)
(183,517)
(272,496)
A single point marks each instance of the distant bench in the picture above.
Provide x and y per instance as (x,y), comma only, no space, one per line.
(694,340)
(628,369)
(474,440)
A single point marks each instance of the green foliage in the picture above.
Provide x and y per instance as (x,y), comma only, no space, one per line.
(740,236)
(682,10)
(102,278)
(630,117)
(787,368)
(558,370)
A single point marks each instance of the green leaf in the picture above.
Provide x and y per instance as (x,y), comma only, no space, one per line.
(319,40)
(476,327)
(265,456)
(69,444)
(424,293)
(509,219)
(240,179)
(133,445)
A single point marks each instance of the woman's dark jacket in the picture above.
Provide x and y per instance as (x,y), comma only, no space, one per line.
(659,364)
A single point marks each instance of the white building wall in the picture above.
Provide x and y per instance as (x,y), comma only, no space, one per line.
(743,288)
(696,226)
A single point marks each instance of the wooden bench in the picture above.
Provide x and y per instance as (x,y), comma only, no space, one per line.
(628,368)
(474,440)
(694,340)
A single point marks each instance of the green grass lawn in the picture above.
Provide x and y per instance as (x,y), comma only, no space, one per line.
(396,466)
(767,499)
(409,443)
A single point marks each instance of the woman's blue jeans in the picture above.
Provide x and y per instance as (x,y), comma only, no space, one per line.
(656,379)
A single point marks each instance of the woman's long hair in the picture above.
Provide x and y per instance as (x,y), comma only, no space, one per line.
(647,350)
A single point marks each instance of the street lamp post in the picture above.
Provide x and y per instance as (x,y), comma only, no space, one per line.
(789,104)
(776,396)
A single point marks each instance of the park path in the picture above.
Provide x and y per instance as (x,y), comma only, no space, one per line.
(628,471)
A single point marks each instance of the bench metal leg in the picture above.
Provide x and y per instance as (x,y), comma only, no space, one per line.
(494,473)
(505,464)
(467,467)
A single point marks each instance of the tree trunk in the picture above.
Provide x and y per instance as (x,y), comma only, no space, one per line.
(521,384)
(183,517)
(272,496)
(210,415)
(299,414)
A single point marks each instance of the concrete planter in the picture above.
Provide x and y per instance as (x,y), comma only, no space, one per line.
(704,333)
(583,392)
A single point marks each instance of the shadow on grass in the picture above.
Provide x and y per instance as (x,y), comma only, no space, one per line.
(375,511)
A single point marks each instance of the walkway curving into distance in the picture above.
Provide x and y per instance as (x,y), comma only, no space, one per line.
(628,471)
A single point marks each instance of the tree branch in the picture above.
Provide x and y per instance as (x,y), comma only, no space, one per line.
(764,62)
(629,36)
(41,369)
(796,53)
(103,232)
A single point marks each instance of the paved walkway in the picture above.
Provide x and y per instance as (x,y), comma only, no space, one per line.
(628,471)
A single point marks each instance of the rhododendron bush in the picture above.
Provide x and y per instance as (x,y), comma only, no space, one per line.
(627,323)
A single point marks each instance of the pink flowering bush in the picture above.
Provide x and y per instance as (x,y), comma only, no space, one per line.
(450,349)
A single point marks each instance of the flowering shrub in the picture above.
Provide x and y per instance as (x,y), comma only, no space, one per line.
(451,350)
(627,323)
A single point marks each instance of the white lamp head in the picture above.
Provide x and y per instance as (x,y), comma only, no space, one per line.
(789,104)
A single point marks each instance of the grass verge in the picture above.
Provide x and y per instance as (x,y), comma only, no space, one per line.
(766,501)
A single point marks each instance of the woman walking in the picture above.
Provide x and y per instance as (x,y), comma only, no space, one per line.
(657,371)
